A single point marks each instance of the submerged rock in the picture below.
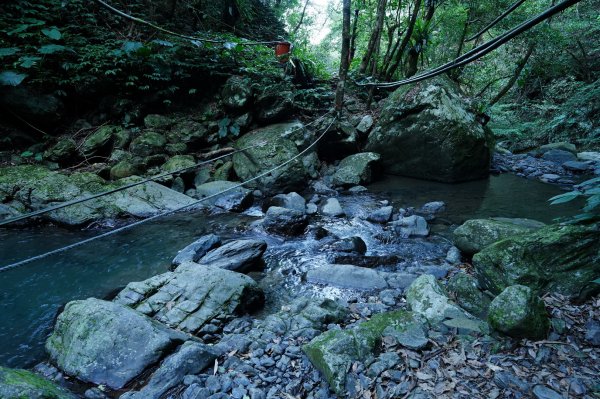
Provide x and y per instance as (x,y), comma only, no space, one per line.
(192,296)
(237,255)
(107,343)
(429,131)
(285,221)
(562,259)
(23,384)
(520,313)
(476,234)
(197,249)
(357,169)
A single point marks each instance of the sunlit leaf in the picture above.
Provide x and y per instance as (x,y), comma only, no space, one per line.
(559,199)
(5,52)
(10,78)
(29,61)
(53,33)
(51,49)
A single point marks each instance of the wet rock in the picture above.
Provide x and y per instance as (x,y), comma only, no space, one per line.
(107,343)
(520,313)
(432,208)
(592,332)
(197,249)
(365,124)
(357,189)
(347,276)
(226,195)
(333,352)
(411,226)
(148,143)
(340,141)
(542,392)
(331,207)
(559,156)
(563,259)
(155,121)
(563,146)
(363,260)
(179,162)
(357,169)
(589,156)
(190,358)
(237,255)
(350,244)
(465,291)
(576,166)
(426,297)
(381,215)
(428,131)
(23,384)
(311,209)
(274,103)
(285,221)
(192,296)
(453,256)
(258,160)
(236,92)
(549,177)
(290,201)
(476,234)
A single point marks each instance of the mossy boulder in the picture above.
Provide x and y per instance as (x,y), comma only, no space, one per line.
(23,384)
(156,121)
(357,169)
(333,352)
(107,343)
(126,168)
(179,162)
(427,298)
(99,141)
(274,103)
(476,234)
(429,131)
(519,313)
(276,150)
(61,152)
(148,143)
(466,293)
(236,92)
(556,258)
(190,133)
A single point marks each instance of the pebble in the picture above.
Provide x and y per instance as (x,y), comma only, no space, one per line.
(542,392)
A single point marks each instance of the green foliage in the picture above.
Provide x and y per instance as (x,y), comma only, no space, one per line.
(590,189)
(10,78)
(228,127)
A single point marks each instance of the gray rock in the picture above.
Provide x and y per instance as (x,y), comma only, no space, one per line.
(190,358)
(426,297)
(542,392)
(275,103)
(357,189)
(107,343)
(350,244)
(357,169)
(589,156)
(576,166)
(197,249)
(192,296)
(412,337)
(429,131)
(519,312)
(563,146)
(194,391)
(411,226)
(592,332)
(237,255)
(331,207)
(236,199)
(431,208)
(311,209)
(23,384)
(148,143)
(549,177)
(453,256)
(509,381)
(285,221)
(465,291)
(347,276)
(559,156)
(365,124)
(290,201)
(381,215)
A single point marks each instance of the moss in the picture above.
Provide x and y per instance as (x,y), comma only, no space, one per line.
(16,384)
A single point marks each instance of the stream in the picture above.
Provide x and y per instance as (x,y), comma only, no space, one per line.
(31,295)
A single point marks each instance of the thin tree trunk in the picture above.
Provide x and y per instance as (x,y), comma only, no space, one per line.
(339,94)
(414,53)
(455,74)
(402,46)
(520,66)
(353,37)
(301,18)
(375,36)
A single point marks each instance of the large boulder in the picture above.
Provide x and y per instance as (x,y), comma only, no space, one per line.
(107,343)
(23,384)
(226,195)
(99,141)
(476,234)
(465,291)
(237,255)
(334,352)
(192,296)
(426,297)
(275,151)
(188,134)
(274,103)
(357,169)
(429,131)
(148,143)
(556,258)
(520,313)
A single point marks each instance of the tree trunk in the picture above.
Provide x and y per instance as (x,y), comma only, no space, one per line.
(414,53)
(402,46)
(353,37)
(301,18)
(455,73)
(520,66)
(375,36)
(339,94)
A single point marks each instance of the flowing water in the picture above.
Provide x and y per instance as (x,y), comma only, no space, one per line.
(31,296)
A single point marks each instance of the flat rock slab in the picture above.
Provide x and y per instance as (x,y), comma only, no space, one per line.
(358,278)
(237,255)
(107,343)
(192,296)
(197,249)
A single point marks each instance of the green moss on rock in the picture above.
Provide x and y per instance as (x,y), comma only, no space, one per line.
(23,384)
